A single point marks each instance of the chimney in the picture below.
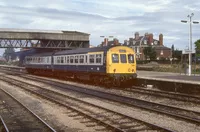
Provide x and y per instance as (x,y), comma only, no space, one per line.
(150,38)
(125,42)
(105,41)
(116,41)
(161,39)
(136,36)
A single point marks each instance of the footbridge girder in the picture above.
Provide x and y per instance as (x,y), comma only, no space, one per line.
(26,38)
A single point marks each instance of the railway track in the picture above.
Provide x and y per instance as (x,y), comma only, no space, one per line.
(165,94)
(17,117)
(183,114)
(111,120)
(134,89)
(190,116)
(142,90)
(157,93)
(3,127)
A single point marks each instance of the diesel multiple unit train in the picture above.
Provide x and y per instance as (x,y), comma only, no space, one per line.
(110,64)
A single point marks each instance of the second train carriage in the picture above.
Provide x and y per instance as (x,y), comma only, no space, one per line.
(112,64)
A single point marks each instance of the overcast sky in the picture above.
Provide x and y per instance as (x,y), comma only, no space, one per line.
(118,18)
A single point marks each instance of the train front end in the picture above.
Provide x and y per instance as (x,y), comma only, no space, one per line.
(121,64)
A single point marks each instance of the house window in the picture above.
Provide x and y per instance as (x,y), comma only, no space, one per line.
(161,52)
(134,42)
(145,41)
(138,49)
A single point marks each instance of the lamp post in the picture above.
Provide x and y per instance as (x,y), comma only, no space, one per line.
(190,39)
(106,39)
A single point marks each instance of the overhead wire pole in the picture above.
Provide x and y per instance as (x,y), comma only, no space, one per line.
(190,40)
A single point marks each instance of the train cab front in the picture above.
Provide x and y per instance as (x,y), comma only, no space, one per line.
(121,65)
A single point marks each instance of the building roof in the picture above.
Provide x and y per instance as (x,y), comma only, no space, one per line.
(35,34)
(162,48)
(83,50)
(16,30)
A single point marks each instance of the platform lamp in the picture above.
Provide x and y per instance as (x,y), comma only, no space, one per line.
(190,39)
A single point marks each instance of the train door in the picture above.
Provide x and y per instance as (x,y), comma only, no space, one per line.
(112,62)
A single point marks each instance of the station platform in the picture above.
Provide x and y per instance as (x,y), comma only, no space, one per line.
(170,77)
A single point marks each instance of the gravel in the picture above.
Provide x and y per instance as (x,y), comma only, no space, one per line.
(53,114)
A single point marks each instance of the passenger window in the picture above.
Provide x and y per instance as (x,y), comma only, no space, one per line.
(76,59)
(71,59)
(123,58)
(131,58)
(58,60)
(81,59)
(86,58)
(98,58)
(91,58)
(115,58)
(62,60)
(67,59)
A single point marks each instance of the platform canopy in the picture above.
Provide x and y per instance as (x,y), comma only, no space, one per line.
(32,38)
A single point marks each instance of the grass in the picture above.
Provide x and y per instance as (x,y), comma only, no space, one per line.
(175,68)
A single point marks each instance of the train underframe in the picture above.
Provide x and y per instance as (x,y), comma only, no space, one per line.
(95,78)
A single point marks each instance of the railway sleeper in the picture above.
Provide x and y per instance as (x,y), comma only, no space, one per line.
(73,115)
(92,124)
(139,129)
(126,122)
(86,121)
(100,128)
(79,117)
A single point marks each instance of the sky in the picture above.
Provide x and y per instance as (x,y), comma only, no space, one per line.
(118,18)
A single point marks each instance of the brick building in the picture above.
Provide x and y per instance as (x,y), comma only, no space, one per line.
(107,42)
(138,43)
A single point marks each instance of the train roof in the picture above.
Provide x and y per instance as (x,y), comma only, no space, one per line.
(84,50)
(43,54)
(77,51)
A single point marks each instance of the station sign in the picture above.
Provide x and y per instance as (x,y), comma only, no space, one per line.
(186,51)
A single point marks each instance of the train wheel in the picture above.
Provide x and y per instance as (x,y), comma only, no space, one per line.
(117,83)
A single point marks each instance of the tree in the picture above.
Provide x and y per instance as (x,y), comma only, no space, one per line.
(9,53)
(197,46)
(149,52)
(177,54)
